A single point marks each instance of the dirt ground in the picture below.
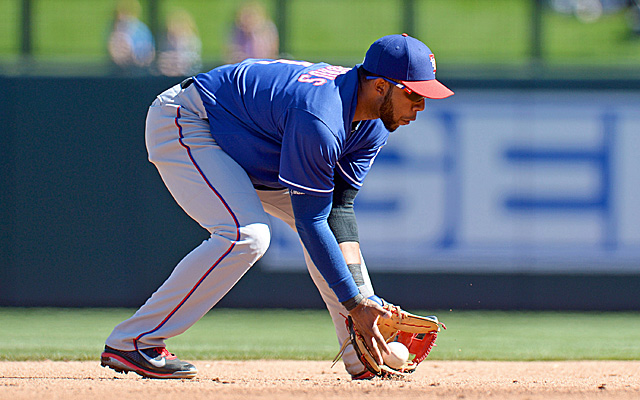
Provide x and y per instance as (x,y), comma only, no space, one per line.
(303,380)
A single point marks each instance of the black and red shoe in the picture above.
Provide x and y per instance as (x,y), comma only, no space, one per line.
(155,363)
(363,376)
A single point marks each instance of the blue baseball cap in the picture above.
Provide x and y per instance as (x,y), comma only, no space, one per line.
(408,60)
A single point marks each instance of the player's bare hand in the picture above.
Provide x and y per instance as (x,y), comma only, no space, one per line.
(365,316)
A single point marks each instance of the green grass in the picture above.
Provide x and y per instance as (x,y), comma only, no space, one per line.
(467,31)
(461,32)
(78,334)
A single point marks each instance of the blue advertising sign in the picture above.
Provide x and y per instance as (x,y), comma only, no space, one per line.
(508,181)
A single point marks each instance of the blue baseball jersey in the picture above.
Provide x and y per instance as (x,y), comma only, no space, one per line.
(289,123)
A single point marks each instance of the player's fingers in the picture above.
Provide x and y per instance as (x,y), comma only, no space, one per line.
(372,342)
(382,312)
(382,344)
(365,317)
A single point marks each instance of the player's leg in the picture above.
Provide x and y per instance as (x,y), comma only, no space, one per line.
(278,204)
(216,192)
(338,313)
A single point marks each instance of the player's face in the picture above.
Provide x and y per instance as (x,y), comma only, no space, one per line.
(400,108)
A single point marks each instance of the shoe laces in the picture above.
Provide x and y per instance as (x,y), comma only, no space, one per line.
(163,352)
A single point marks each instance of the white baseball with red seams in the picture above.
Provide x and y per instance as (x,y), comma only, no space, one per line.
(398,356)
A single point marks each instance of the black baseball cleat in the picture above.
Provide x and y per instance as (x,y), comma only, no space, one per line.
(155,363)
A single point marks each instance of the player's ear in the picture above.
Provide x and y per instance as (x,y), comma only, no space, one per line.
(380,86)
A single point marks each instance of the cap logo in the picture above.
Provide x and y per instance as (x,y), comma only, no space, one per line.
(432,58)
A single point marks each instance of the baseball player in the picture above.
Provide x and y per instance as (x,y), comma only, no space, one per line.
(287,138)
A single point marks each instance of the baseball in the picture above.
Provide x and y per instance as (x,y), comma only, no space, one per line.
(398,356)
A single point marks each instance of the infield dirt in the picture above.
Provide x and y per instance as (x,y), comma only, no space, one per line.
(302,380)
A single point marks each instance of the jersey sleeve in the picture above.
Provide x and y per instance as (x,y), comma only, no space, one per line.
(356,163)
(354,167)
(309,154)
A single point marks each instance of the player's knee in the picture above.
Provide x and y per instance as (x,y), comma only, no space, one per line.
(256,238)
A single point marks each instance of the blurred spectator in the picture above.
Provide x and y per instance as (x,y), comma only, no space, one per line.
(592,10)
(254,35)
(180,51)
(588,10)
(131,43)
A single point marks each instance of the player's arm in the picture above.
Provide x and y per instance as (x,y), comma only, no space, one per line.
(311,213)
(343,224)
(322,201)
(308,160)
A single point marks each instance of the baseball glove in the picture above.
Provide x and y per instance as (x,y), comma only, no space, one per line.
(417,333)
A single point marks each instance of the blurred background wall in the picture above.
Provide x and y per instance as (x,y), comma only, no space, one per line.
(519,192)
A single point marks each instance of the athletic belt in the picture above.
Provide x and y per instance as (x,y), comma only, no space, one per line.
(186,83)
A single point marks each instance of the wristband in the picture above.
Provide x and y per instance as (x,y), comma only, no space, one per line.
(356,272)
(353,302)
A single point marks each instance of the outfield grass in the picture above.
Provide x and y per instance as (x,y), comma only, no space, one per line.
(78,334)
(461,32)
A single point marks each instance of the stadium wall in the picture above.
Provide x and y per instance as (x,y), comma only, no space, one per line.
(525,196)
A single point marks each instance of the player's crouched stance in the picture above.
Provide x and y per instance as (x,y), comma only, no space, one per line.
(293,140)
(150,363)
